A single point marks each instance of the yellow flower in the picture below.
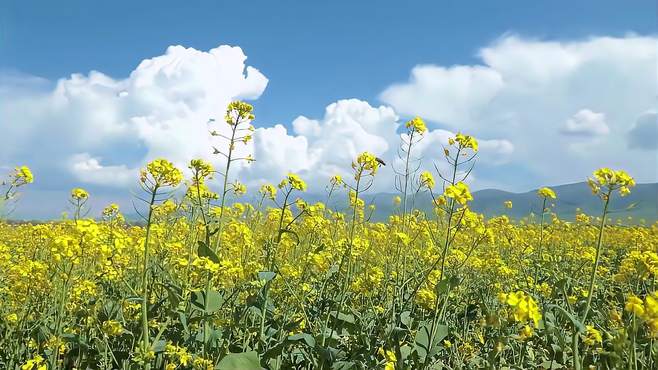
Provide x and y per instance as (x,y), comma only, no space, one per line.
(592,336)
(634,305)
(36,362)
(112,328)
(508,204)
(336,180)
(459,192)
(294,181)
(546,193)
(365,163)
(22,175)
(416,125)
(525,307)
(268,190)
(160,172)
(464,142)
(238,112)
(79,194)
(239,188)
(201,169)
(389,357)
(427,180)
(526,332)
(12,318)
(611,180)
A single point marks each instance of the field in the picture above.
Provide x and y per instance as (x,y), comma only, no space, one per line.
(208,281)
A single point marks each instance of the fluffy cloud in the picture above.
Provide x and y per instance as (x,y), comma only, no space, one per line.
(528,90)
(525,102)
(321,148)
(161,109)
(586,123)
(453,95)
(644,133)
(96,131)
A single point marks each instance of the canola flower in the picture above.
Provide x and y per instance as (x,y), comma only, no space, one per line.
(427,180)
(459,192)
(546,193)
(79,194)
(464,142)
(416,125)
(22,176)
(210,278)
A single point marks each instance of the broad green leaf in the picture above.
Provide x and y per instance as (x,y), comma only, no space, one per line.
(303,337)
(240,361)
(266,275)
(213,304)
(446,285)
(422,339)
(572,318)
(204,251)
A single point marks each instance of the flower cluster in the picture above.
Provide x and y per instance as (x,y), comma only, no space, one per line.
(546,193)
(238,112)
(416,125)
(160,172)
(464,142)
(459,192)
(294,181)
(366,164)
(610,180)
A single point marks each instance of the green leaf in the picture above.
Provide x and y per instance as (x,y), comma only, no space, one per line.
(446,285)
(343,365)
(406,319)
(214,300)
(303,337)
(574,320)
(348,318)
(205,251)
(240,361)
(266,275)
(422,339)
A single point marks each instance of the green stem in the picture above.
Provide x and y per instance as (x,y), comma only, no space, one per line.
(145,291)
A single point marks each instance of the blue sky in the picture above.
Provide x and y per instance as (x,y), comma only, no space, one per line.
(313,52)
(541,84)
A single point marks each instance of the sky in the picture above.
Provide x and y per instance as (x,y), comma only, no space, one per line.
(91,91)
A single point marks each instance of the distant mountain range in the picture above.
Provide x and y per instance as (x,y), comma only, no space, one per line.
(642,203)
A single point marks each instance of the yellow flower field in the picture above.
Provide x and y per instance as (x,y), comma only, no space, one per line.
(209,281)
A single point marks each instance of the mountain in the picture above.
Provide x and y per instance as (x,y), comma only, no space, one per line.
(642,203)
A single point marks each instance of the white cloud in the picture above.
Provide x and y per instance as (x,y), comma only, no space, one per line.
(160,110)
(90,171)
(448,95)
(644,133)
(586,123)
(97,130)
(527,91)
(321,148)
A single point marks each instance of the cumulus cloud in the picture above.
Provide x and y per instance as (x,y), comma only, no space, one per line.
(160,110)
(527,91)
(452,95)
(320,148)
(96,131)
(586,123)
(525,102)
(644,133)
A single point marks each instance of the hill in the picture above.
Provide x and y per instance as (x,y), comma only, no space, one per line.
(642,203)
